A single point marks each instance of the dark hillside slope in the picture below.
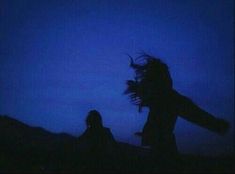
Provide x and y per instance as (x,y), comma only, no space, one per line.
(32,149)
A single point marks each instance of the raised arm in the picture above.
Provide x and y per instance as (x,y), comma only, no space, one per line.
(193,113)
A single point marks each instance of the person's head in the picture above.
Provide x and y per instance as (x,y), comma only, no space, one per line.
(94,119)
(152,79)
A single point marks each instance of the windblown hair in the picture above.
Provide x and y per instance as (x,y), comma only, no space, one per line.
(152,79)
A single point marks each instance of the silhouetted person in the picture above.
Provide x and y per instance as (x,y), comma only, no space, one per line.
(153,88)
(97,141)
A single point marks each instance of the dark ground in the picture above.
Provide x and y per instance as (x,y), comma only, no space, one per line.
(29,149)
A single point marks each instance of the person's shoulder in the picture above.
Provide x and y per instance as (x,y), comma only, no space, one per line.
(83,136)
(107,129)
(108,134)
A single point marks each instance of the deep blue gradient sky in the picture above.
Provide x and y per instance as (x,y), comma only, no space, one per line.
(60,59)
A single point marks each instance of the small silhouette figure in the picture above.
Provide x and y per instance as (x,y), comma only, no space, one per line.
(97,142)
(96,135)
(152,87)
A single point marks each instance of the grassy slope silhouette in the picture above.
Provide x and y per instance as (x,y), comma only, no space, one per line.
(32,149)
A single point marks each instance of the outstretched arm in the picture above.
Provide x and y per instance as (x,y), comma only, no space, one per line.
(193,113)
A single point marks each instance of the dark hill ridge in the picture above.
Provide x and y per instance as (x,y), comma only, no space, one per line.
(12,128)
(32,149)
(26,148)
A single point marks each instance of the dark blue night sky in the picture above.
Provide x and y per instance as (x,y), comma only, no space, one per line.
(60,59)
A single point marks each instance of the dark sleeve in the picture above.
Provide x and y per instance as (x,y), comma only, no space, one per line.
(193,113)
